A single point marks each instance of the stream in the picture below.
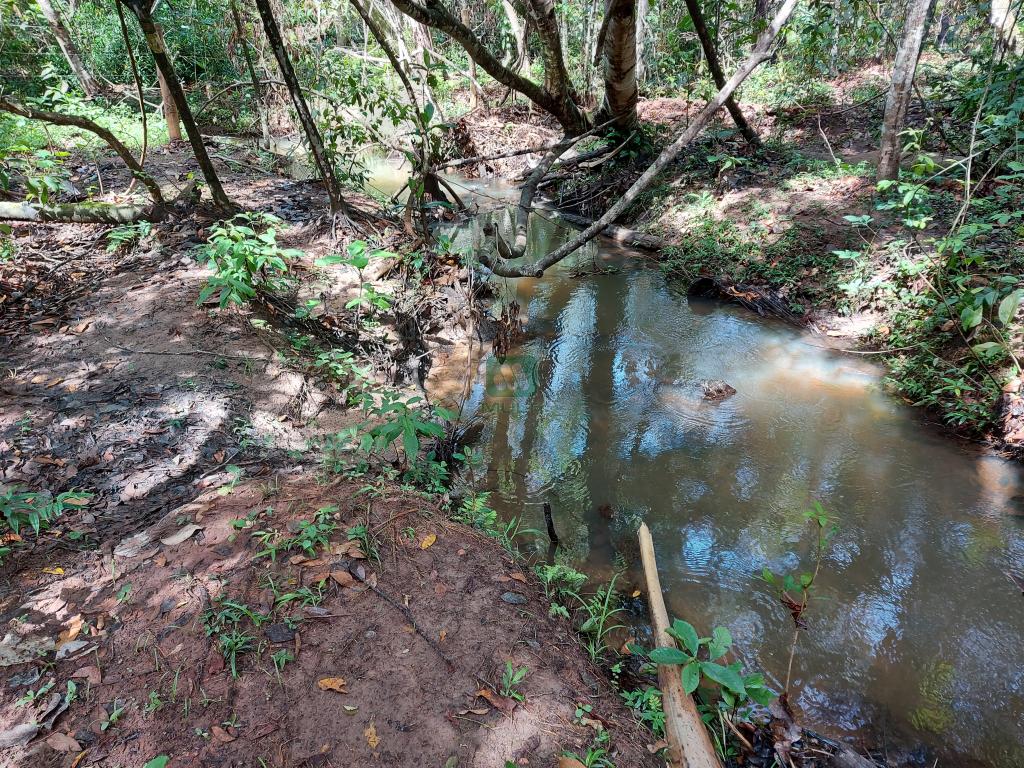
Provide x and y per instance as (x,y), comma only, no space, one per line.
(914,638)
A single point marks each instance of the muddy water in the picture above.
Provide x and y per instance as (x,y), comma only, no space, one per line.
(915,635)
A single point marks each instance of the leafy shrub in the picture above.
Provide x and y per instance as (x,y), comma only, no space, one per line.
(244,259)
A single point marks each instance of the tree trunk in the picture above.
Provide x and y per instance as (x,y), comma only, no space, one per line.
(557,98)
(1003,16)
(522,66)
(620,94)
(316,144)
(474,95)
(257,87)
(89,85)
(642,30)
(900,90)
(155,41)
(707,44)
(760,11)
(168,106)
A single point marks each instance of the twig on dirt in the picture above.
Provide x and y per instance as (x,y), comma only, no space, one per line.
(355,571)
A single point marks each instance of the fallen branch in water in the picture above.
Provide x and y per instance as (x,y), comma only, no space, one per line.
(761,53)
(689,745)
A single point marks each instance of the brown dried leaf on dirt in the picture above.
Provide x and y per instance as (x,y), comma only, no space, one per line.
(61,742)
(348,549)
(74,626)
(332,684)
(428,541)
(518,577)
(569,762)
(343,578)
(503,704)
(221,735)
(91,674)
(371,736)
(183,533)
(480,711)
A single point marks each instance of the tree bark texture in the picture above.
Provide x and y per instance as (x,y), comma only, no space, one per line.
(901,88)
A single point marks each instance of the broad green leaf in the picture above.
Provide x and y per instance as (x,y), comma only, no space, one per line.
(669,656)
(724,676)
(684,632)
(691,676)
(721,641)
(1008,306)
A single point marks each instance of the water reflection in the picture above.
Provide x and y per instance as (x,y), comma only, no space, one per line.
(916,628)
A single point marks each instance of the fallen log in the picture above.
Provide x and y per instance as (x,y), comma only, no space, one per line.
(689,745)
(764,302)
(82,213)
(614,232)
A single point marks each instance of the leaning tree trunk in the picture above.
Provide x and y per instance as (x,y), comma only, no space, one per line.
(57,118)
(313,138)
(620,94)
(556,97)
(155,41)
(900,90)
(70,51)
(707,43)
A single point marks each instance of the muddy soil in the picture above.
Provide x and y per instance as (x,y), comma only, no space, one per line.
(396,660)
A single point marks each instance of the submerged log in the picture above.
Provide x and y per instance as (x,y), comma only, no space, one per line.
(689,745)
(764,302)
(615,232)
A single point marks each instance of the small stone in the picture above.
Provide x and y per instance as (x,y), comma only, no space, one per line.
(513,598)
(280,633)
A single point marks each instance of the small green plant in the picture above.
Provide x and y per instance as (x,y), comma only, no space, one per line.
(153,703)
(127,235)
(361,533)
(368,298)
(245,258)
(32,696)
(698,658)
(647,708)
(20,508)
(117,709)
(598,610)
(280,658)
(511,679)
(226,623)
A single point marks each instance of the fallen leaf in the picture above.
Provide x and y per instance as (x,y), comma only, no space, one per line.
(76,501)
(657,746)
(428,541)
(344,578)
(371,736)
(482,711)
(56,571)
(350,710)
(221,735)
(501,703)
(569,762)
(636,593)
(74,627)
(18,735)
(184,533)
(332,684)
(90,674)
(443,634)
(62,742)
(519,577)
